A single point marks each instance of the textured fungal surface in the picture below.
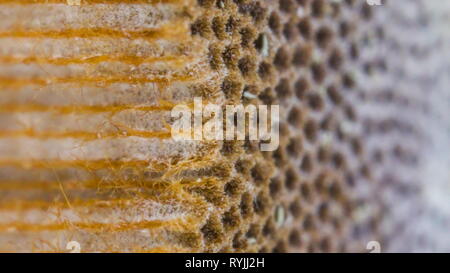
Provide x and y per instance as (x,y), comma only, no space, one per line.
(86,151)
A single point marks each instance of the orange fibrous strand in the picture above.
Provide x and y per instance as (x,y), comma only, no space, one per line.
(67,109)
(90,2)
(92,226)
(84,135)
(175,30)
(18,82)
(133,60)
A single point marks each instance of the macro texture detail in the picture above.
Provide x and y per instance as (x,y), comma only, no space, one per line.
(86,152)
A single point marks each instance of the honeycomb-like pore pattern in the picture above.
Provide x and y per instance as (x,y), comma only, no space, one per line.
(302,56)
(85,146)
